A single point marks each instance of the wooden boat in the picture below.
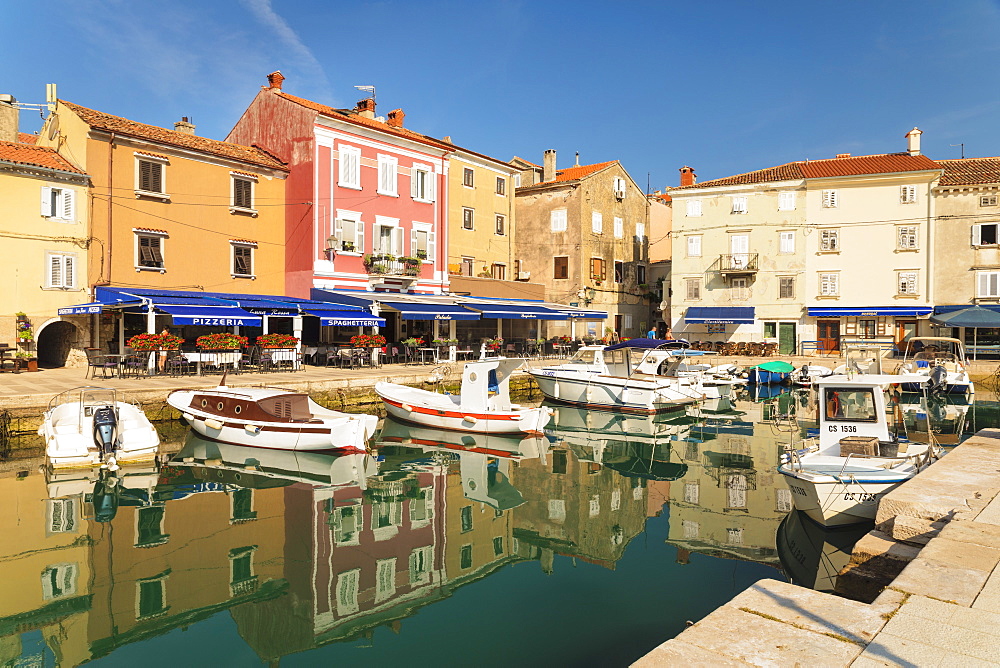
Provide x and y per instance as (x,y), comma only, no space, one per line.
(483,405)
(857,460)
(271,417)
(91,426)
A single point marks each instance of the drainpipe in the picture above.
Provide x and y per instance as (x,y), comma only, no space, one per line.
(111,180)
(930,236)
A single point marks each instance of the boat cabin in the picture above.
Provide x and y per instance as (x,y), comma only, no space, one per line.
(856,408)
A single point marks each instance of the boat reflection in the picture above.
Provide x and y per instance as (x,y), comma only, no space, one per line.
(812,554)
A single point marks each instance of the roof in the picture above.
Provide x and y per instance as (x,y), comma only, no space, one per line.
(970,171)
(117,124)
(36,156)
(351,116)
(26,138)
(575,173)
(885,163)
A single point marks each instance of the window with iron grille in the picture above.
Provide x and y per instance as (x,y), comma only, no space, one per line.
(242,260)
(560,267)
(242,193)
(906,237)
(149,251)
(907,282)
(829,240)
(150,176)
(468,177)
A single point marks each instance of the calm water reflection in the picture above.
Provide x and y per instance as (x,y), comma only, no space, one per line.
(589,545)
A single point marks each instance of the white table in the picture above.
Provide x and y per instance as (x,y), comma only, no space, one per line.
(214,358)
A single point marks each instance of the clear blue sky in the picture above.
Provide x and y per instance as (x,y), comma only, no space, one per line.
(725,87)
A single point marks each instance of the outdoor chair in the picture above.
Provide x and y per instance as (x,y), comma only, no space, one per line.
(135,365)
(178,365)
(94,361)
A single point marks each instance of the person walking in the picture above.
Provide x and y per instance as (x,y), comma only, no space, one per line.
(162,361)
(651,334)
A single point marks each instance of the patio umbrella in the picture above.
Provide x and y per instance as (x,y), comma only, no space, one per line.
(973,316)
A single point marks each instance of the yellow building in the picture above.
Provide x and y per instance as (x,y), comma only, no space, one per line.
(44,247)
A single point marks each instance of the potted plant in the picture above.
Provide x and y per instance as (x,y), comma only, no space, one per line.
(277,341)
(24,332)
(221,341)
(154,342)
(367,341)
(27,361)
(413,342)
(494,344)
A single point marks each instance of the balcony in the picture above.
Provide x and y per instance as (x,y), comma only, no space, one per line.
(736,264)
(390,265)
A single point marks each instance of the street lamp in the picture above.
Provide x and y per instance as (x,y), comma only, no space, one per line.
(331,247)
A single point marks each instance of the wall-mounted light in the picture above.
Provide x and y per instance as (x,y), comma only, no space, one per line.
(331,247)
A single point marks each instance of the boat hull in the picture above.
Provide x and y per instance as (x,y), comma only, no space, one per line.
(612,393)
(69,442)
(831,502)
(762,377)
(526,421)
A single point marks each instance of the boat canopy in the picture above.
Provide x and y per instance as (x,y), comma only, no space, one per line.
(648,344)
(777,366)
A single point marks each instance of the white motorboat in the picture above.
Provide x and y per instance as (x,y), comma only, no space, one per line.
(90,426)
(942,360)
(610,379)
(482,406)
(97,493)
(857,459)
(712,381)
(807,374)
(271,417)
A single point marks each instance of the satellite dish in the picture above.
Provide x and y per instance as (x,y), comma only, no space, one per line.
(663,306)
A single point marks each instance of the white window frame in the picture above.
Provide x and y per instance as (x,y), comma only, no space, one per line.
(739,204)
(906,283)
(829,240)
(232,259)
(422,183)
(388,175)
(349,167)
(341,535)
(347,591)
(233,207)
(385,579)
(470,172)
(619,228)
(597,222)
(65,265)
(358,238)
(692,289)
(162,579)
(396,236)
(694,245)
(640,231)
(59,204)
(693,208)
(499,223)
(65,574)
(155,160)
(471,217)
(558,220)
(831,199)
(907,237)
(977,234)
(786,242)
(431,242)
(987,200)
(137,234)
(988,284)
(421,563)
(829,284)
(908,194)
(619,187)
(786,201)
(501,186)
(60,515)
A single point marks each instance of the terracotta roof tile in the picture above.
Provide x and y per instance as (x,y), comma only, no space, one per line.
(786,172)
(38,156)
(109,123)
(970,171)
(26,138)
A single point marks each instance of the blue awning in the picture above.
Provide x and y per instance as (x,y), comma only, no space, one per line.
(345,318)
(422,311)
(720,315)
(216,316)
(79,309)
(583,314)
(840,311)
(516,312)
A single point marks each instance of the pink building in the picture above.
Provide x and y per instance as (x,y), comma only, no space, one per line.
(366,198)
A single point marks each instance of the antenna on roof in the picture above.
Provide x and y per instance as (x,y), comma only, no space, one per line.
(963,148)
(367,89)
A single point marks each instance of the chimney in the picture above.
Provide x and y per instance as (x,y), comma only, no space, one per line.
(274,79)
(185,126)
(395,118)
(8,118)
(688,177)
(913,141)
(577,159)
(549,166)
(843,155)
(366,108)
(446,139)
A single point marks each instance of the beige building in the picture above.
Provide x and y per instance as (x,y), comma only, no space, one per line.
(661,220)
(582,232)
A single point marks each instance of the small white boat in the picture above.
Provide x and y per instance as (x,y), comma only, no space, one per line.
(271,417)
(942,360)
(483,405)
(807,374)
(863,358)
(712,382)
(90,426)
(857,460)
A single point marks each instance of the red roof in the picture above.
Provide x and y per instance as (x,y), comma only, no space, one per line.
(970,171)
(886,163)
(117,124)
(26,138)
(37,156)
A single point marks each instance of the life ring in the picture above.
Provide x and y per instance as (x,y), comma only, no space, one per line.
(833,405)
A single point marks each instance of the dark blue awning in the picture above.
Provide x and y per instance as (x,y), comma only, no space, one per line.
(216,316)
(583,314)
(720,315)
(79,309)
(345,318)
(840,311)
(423,311)
(516,312)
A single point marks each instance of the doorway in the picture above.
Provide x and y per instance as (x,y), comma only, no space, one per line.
(905,330)
(786,338)
(828,335)
(55,340)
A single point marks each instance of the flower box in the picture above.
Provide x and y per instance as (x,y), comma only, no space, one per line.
(154,342)
(277,341)
(221,341)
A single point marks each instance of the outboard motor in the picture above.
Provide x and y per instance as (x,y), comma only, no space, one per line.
(105,430)
(938,380)
(105,497)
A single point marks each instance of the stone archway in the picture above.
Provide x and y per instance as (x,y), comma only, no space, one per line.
(54,342)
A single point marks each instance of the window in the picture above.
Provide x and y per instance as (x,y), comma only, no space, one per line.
(619,187)
(468,177)
(59,580)
(619,271)
(468,264)
(61,270)
(907,282)
(770,329)
(557,220)
(349,231)
(149,176)
(739,204)
(598,271)
(597,222)
(843,403)
(866,329)
(786,287)
(59,204)
(560,267)
(422,183)
(988,284)
(786,243)
(557,510)
(466,514)
(694,208)
(640,274)
(786,201)
(346,523)
(350,167)
(829,240)
(830,199)
(385,579)
(501,224)
(829,284)
(498,271)
(692,289)
(388,236)
(619,228)
(242,193)
(151,596)
(347,591)
(387,175)
(242,260)
(61,515)
(984,234)
(906,237)
(517,180)
(739,289)
(422,507)
(465,557)
(149,526)
(692,492)
(149,251)
(694,246)
(988,200)
(783,500)
(468,219)
(640,231)
(907,194)
(498,546)
(501,185)
(420,565)
(422,242)
(241,577)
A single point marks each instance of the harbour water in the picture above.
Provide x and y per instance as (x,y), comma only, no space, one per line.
(589,545)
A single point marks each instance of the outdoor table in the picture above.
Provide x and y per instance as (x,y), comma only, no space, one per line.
(4,358)
(562,349)
(425,352)
(215,358)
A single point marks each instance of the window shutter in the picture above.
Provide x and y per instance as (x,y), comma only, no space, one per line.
(55,272)
(429,186)
(977,235)
(413,242)
(69,271)
(69,204)
(338,229)
(47,202)
(430,246)
(359,232)
(415,176)
(398,249)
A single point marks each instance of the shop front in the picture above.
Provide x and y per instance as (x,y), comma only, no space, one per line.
(890,327)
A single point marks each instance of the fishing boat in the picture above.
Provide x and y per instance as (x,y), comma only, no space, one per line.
(91,426)
(482,406)
(814,555)
(271,417)
(942,360)
(857,459)
(611,379)
(769,373)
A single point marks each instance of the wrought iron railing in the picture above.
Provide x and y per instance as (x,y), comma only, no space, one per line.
(737,263)
(389,265)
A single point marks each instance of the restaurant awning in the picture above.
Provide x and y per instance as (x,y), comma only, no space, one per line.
(216,316)
(840,311)
(720,315)
(516,311)
(583,314)
(82,309)
(423,311)
(345,318)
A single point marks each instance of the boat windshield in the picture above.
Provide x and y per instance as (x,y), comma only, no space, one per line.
(853,404)
(583,356)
